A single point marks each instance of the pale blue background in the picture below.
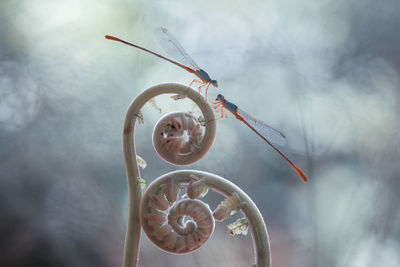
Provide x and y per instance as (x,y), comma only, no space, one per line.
(326,73)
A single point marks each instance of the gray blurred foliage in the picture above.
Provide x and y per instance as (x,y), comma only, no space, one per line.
(326,73)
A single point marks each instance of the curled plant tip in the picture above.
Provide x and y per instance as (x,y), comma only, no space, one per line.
(171,190)
(153,104)
(227,207)
(140,117)
(183,228)
(197,188)
(141,162)
(153,213)
(186,224)
(240,226)
(177,136)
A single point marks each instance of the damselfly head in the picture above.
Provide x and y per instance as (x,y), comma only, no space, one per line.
(214,83)
(219,97)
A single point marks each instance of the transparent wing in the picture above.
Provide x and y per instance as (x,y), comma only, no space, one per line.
(173,48)
(272,135)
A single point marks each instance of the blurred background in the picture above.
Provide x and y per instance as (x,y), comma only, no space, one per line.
(325,73)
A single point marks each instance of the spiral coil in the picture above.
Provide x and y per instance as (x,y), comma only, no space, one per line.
(175,224)
(177,138)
